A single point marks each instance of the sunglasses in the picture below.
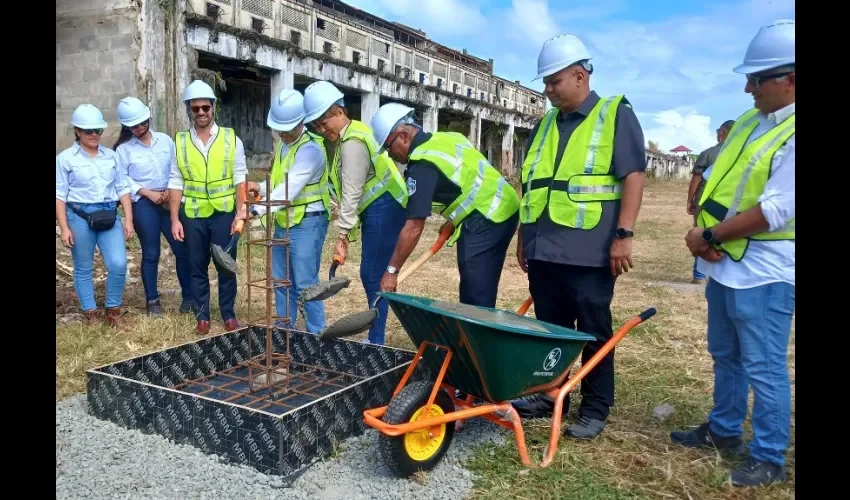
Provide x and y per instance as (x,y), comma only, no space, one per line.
(198,109)
(90,131)
(757,80)
(140,125)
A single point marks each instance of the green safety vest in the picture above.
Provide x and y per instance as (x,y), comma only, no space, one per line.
(317,191)
(386,178)
(738,177)
(482,187)
(208,184)
(573,192)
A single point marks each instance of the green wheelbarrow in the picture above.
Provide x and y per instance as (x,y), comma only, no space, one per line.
(488,354)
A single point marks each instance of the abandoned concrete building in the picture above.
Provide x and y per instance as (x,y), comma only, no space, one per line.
(250,49)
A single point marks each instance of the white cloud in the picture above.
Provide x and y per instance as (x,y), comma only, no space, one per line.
(672,127)
(435,17)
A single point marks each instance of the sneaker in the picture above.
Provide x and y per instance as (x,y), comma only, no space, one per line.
(757,473)
(154,308)
(537,406)
(703,437)
(586,427)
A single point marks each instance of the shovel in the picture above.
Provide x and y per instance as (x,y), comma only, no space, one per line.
(362,321)
(222,255)
(326,289)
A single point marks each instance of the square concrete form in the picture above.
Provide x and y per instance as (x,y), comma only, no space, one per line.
(196,393)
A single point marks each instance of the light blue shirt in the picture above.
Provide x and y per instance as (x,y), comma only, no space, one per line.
(307,168)
(83,179)
(146,167)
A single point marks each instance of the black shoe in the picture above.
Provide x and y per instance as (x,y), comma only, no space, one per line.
(537,406)
(703,437)
(153,308)
(586,428)
(186,307)
(757,473)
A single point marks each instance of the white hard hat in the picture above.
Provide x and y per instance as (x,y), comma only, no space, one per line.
(772,47)
(198,90)
(559,52)
(132,111)
(87,117)
(387,118)
(318,98)
(287,110)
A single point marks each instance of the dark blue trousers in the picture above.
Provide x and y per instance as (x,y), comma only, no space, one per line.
(199,234)
(150,220)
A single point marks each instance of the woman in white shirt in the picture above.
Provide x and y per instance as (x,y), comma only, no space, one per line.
(89,186)
(145,158)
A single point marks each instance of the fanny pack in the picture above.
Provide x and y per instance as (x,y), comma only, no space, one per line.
(99,220)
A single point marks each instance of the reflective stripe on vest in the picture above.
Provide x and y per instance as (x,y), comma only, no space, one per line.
(482,186)
(317,191)
(208,183)
(738,177)
(574,192)
(387,178)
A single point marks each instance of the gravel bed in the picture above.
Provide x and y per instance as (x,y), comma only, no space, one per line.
(96,459)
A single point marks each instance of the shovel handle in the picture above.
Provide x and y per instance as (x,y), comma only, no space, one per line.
(447,231)
(525,306)
(334,265)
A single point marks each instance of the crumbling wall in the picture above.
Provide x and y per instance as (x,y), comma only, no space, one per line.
(96,49)
(244,107)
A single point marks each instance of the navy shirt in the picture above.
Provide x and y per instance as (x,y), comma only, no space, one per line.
(550,242)
(426,183)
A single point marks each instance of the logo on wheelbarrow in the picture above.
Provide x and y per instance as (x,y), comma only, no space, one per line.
(550,362)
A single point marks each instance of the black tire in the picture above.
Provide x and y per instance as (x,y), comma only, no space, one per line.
(400,410)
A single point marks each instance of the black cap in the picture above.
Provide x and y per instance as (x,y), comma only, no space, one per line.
(727,125)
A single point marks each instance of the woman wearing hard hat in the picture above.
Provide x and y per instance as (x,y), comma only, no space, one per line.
(145,157)
(370,187)
(89,186)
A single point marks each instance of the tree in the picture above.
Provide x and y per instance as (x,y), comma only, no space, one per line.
(653,146)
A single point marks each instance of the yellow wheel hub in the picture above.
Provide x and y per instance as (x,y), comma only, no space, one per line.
(422,444)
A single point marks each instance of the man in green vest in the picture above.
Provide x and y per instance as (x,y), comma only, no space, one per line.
(370,189)
(205,190)
(447,174)
(745,241)
(301,156)
(582,186)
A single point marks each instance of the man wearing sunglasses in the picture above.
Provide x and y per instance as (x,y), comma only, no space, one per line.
(205,191)
(745,239)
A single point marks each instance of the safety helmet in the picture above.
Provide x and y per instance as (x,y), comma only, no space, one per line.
(559,52)
(132,111)
(87,117)
(198,90)
(388,117)
(772,47)
(287,110)
(318,98)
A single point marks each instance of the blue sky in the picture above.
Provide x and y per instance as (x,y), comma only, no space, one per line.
(672,59)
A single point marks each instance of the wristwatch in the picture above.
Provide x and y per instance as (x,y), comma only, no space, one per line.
(623,233)
(708,236)
(392,270)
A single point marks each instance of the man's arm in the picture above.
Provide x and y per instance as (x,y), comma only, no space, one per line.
(309,161)
(355,164)
(175,188)
(407,241)
(696,176)
(240,173)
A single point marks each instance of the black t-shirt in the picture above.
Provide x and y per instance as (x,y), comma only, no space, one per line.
(426,184)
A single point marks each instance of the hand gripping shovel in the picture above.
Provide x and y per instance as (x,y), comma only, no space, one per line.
(326,289)
(362,321)
(222,255)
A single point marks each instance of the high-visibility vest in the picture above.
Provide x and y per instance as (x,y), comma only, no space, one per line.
(317,191)
(574,192)
(738,177)
(387,178)
(207,184)
(482,187)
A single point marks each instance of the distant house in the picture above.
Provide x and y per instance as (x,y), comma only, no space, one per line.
(681,149)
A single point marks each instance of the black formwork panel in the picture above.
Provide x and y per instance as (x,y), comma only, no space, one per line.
(182,392)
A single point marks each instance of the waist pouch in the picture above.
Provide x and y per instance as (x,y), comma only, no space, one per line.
(99,220)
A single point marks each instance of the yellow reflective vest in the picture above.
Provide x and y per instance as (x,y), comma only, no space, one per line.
(738,177)
(574,191)
(208,183)
(387,178)
(482,186)
(317,191)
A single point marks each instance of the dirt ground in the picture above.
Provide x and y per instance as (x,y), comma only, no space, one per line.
(662,362)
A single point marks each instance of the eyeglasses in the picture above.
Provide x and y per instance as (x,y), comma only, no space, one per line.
(90,131)
(757,80)
(198,109)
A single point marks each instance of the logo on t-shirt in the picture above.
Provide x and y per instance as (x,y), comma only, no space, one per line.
(411,186)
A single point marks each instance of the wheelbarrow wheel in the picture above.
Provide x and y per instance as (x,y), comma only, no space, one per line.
(423,449)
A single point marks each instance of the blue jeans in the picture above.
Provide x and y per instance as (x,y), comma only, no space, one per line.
(305,255)
(697,275)
(149,220)
(748,334)
(113,249)
(381,224)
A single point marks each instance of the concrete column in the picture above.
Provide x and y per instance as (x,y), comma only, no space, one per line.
(283,79)
(430,119)
(507,165)
(475,131)
(369,104)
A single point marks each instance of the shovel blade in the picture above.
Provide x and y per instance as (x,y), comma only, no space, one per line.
(350,325)
(223,259)
(325,289)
